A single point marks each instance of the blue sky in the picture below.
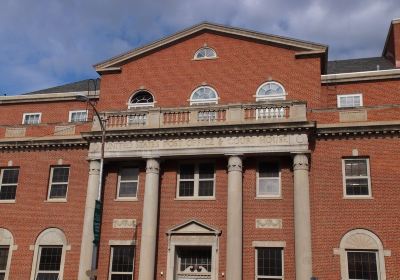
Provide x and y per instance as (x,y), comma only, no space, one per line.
(45,43)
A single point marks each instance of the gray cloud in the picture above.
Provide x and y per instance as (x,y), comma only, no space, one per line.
(49,42)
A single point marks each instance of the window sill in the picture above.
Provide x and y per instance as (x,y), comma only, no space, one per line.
(190,198)
(7,201)
(126,199)
(268,197)
(56,201)
(358,197)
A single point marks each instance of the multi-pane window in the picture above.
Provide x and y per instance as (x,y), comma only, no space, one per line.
(270,91)
(196,180)
(269,263)
(4,251)
(194,261)
(349,100)
(128,180)
(49,264)
(269,180)
(8,183)
(356,177)
(31,118)
(59,176)
(362,265)
(121,267)
(78,116)
(205,53)
(204,95)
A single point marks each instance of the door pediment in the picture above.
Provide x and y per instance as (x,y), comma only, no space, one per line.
(192,227)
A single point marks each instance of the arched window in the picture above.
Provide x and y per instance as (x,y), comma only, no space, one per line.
(204,95)
(141,99)
(362,255)
(270,91)
(49,255)
(6,248)
(205,53)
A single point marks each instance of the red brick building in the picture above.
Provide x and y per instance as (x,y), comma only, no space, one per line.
(220,153)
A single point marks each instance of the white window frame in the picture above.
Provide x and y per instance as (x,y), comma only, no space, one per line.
(269,244)
(127,198)
(196,181)
(258,195)
(58,183)
(1,184)
(7,241)
(206,57)
(140,105)
(204,101)
(363,251)
(339,105)
(344,177)
(110,272)
(7,270)
(38,261)
(77,111)
(272,96)
(28,114)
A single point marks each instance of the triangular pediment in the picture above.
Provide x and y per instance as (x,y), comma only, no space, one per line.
(303,47)
(193,227)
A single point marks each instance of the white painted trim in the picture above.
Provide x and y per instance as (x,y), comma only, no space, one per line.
(27,114)
(349,95)
(204,101)
(204,58)
(279,195)
(140,105)
(256,262)
(64,199)
(45,97)
(77,111)
(279,244)
(360,76)
(272,96)
(196,180)
(344,177)
(4,236)
(127,198)
(123,243)
(1,184)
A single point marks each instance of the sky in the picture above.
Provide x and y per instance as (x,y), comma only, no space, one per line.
(45,43)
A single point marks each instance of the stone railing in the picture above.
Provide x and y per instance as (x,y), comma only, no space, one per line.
(211,115)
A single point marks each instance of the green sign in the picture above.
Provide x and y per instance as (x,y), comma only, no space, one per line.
(97,222)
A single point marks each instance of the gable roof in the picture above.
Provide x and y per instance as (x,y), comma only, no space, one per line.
(79,86)
(113,63)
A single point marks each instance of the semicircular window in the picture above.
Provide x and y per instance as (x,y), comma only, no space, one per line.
(141,99)
(205,53)
(270,91)
(204,95)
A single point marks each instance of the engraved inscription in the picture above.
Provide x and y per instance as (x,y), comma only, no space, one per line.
(124,223)
(269,223)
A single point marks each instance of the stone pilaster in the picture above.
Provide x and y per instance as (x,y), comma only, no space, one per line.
(302,223)
(234,223)
(87,245)
(148,240)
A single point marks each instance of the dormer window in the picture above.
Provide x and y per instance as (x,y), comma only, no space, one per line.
(141,99)
(204,95)
(205,53)
(271,91)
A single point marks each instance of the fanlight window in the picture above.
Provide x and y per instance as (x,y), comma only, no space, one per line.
(270,91)
(141,99)
(204,95)
(205,53)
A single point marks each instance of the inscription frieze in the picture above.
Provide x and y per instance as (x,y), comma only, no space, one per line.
(124,223)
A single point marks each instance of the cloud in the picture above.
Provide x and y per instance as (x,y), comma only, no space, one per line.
(50,42)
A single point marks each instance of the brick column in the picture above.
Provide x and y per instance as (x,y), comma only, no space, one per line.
(87,245)
(234,223)
(148,240)
(302,223)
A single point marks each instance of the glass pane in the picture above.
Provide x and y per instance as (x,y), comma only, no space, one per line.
(357,186)
(60,174)
(10,176)
(268,170)
(122,259)
(129,174)
(8,192)
(186,188)
(3,257)
(206,171)
(121,277)
(2,275)
(269,261)
(78,116)
(47,276)
(206,188)
(186,171)
(268,186)
(142,97)
(356,167)
(362,265)
(195,259)
(50,258)
(58,191)
(127,189)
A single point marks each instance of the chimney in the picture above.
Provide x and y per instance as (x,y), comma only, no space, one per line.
(392,45)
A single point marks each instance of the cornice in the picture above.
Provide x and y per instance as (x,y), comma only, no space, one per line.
(361,76)
(358,130)
(45,97)
(42,143)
